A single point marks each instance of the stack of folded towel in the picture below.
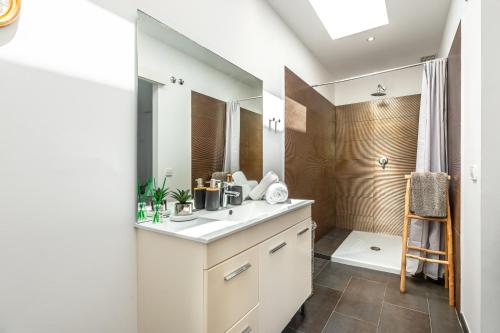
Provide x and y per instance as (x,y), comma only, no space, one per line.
(429,194)
(269,187)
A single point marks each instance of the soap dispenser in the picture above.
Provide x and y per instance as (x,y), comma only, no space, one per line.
(212,201)
(200,192)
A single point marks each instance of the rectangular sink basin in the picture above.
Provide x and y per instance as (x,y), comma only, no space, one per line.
(248,211)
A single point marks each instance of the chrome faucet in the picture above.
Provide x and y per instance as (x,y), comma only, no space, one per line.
(226,194)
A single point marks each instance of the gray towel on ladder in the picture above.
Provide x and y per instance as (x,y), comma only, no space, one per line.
(429,194)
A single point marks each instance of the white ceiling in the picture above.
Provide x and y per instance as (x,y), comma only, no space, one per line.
(415,29)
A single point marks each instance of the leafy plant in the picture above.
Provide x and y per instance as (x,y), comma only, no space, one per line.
(159,193)
(143,190)
(182,196)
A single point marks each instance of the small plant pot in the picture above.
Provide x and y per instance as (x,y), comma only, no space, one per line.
(183,209)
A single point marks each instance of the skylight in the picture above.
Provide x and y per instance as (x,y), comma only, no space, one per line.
(342,18)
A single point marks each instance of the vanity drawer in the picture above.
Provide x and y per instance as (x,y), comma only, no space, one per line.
(232,290)
(248,324)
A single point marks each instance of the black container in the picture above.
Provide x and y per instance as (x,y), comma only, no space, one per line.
(212,200)
(239,199)
(200,194)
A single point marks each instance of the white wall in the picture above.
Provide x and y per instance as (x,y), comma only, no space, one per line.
(490,189)
(398,83)
(455,14)
(274,136)
(173,113)
(68,147)
(480,141)
(470,212)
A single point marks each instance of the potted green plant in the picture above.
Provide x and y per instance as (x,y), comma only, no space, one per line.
(182,206)
(159,195)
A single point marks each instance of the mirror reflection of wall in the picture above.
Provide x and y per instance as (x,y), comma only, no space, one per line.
(188,132)
(145,129)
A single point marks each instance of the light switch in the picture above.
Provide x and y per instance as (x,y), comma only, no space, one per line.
(169,172)
(473,173)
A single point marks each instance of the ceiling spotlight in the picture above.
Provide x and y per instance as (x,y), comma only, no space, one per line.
(370,39)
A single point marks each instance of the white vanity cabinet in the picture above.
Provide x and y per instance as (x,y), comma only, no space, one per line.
(253,280)
(285,271)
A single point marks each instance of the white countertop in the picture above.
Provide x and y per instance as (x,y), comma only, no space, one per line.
(211,226)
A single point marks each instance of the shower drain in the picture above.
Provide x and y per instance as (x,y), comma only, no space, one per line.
(374,248)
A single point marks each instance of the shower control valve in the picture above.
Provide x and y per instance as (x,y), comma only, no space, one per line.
(383,160)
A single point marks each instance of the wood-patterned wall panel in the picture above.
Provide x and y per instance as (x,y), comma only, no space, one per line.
(454,144)
(396,107)
(310,149)
(362,205)
(366,131)
(396,128)
(354,187)
(208,118)
(358,149)
(354,222)
(354,168)
(251,144)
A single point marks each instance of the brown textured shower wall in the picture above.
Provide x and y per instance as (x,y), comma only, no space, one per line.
(367,197)
(454,144)
(208,122)
(251,144)
(310,149)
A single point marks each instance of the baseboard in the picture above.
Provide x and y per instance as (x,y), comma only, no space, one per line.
(322,256)
(463,323)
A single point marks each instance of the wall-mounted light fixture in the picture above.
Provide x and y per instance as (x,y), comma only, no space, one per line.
(9,10)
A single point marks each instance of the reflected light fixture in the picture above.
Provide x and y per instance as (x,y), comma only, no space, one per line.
(370,39)
(9,9)
(343,18)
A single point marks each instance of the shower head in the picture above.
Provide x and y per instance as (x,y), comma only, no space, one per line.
(380,91)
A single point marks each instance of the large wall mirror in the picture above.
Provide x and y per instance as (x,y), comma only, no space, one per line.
(197,112)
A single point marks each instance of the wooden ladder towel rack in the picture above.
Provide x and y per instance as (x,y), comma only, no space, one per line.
(447,253)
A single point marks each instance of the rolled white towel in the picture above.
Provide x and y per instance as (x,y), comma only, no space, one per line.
(252,184)
(258,191)
(277,193)
(239,178)
(245,191)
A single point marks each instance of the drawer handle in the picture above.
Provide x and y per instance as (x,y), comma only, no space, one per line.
(237,272)
(277,248)
(302,231)
(248,329)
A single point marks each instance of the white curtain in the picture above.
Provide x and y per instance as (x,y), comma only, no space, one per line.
(432,156)
(232,145)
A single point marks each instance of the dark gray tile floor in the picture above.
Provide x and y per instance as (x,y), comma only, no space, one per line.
(325,247)
(355,299)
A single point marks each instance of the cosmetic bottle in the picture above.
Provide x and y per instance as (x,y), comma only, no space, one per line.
(199,194)
(212,200)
